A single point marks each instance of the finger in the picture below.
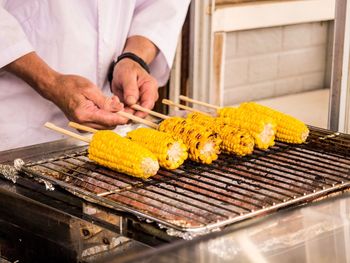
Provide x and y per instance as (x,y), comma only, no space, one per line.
(130,89)
(106,118)
(149,94)
(115,105)
(141,114)
(95,95)
(118,91)
(129,110)
(148,97)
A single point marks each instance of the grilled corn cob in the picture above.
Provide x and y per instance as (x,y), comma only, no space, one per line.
(261,127)
(203,144)
(111,150)
(171,153)
(289,129)
(234,140)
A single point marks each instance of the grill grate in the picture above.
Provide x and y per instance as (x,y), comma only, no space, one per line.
(204,197)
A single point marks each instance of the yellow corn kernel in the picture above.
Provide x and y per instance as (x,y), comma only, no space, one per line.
(261,127)
(171,153)
(289,129)
(203,145)
(113,151)
(234,140)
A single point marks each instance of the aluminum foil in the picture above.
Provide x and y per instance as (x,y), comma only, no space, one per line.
(9,172)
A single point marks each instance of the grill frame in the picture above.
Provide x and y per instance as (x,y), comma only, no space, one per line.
(320,143)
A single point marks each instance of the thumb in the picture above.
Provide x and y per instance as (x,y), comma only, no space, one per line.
(130,90)
(98,98)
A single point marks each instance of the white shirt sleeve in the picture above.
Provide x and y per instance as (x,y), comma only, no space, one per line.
(160,21)
(13,41)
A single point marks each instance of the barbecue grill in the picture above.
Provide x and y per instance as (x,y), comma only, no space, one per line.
(196,199)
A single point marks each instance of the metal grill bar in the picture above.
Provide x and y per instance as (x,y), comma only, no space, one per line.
(233,187)
(251,175)
(216,186)
(197,197)
(265,166)
(291,168)
(311,161)
(155,180)
(86,178)
(305,166)
(241,178)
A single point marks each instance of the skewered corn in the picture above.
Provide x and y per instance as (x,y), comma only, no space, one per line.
(111,150)
(289,129)
(261,127)
(234,140)
(203,144)
(171,153)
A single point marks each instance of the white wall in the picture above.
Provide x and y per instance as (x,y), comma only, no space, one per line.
(275,61)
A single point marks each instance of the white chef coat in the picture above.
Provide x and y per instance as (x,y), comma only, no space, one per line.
(74,37)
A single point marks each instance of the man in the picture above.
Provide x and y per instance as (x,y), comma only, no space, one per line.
(55,57)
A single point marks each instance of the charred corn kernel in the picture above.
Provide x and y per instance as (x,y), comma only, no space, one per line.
(289,129)
(203,145)
(171,153)
(113,151)
(261,127)
(234,140)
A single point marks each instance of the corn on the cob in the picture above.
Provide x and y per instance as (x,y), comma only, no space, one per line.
(203,144)
(289,129)
(171,153)
(261,127)
(234,140)
(111,150)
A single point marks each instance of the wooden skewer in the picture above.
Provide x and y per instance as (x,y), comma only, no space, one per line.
(81,127)
(180,106)
(66,132)
(124,114)
(151,112)
(137,119)
(184,98)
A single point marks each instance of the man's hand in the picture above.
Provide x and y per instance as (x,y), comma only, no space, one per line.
(133,85)
(83,102)
(77,97)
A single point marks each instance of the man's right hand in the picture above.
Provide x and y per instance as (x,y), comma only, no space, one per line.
(79,99)
(83,102)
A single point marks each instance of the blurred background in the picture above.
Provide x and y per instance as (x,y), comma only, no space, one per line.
(279,53)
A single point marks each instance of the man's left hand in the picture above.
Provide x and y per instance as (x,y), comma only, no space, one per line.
(133,85)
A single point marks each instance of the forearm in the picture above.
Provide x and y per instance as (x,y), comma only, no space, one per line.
(34,71)
(142,47)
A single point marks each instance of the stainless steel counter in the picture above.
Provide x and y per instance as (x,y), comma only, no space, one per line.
(318,232)
(37,225)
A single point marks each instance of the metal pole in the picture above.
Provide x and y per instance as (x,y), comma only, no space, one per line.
(338,112)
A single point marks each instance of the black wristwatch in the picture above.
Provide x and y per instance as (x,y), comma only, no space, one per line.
(129,55)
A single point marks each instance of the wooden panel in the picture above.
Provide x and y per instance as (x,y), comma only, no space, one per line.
(229,2)
(219,63)
(225,2)
(252,16)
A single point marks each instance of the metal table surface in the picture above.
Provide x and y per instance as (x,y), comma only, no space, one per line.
(317,232)
(196,199)
(37,225)
(289,235)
